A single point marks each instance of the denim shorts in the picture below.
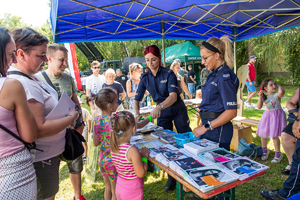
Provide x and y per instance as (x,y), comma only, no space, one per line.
(249,87)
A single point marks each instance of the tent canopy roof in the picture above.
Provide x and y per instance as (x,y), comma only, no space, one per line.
(185,52)
(112,20)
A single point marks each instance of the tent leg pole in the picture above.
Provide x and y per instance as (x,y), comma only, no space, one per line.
(234,55)
(163,41)
(234,49)
(163,45)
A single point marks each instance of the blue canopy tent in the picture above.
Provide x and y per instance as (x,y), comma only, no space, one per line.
(113,20)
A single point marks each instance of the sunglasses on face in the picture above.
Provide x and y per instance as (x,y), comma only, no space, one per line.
(96,67)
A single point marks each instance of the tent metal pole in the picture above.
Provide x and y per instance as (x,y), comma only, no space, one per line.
(163,41)
(234,48)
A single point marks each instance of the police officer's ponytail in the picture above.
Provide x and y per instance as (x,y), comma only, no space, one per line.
(228,53)
(224,47)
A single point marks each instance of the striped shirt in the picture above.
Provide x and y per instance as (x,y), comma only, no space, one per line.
(122,164)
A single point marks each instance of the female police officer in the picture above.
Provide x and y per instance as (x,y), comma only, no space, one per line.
(162,85)
(219,102)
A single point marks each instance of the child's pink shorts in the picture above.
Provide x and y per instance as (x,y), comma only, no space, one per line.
(130,188)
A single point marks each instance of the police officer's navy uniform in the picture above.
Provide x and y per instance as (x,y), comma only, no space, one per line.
(160,86)
(291,186)
(219,94)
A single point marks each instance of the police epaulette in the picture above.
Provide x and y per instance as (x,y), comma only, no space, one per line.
(226,75)
(144,74)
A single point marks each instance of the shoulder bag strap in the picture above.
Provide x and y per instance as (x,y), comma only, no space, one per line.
(23,74)
(48,79)
(11,133)
(27,144)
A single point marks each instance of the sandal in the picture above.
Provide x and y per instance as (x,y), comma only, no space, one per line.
(286,171)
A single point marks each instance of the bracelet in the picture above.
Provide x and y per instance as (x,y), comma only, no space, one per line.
(150,118)
(71,116)
(145,160)
(74,121)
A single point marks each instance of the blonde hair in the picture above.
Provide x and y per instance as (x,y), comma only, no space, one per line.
(175,62)
(95,63)
(133,67)
(224,46)
(121,123)
(199,91)
(109,71)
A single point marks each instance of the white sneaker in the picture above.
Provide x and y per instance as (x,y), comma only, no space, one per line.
(277,160)
(248,105)
(253,106)
(265,156)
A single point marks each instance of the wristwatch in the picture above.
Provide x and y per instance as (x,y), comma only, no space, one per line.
(161,106)
(207,126)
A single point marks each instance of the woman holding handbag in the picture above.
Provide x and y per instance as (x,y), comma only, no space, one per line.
(31,49)
(17,177)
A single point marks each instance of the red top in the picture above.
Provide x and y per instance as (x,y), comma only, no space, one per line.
(252,71)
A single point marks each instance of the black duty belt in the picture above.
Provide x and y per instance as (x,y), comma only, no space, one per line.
(210,115)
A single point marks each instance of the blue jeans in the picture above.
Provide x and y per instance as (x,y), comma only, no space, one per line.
(291,186)
(191,87)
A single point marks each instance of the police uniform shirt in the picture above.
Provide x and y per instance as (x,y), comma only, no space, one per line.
(159,86)
(219,91)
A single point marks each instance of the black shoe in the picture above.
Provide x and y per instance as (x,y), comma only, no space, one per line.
(170,185)
(271,195)
(286,171)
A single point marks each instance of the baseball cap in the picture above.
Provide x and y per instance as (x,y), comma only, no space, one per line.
(252,57)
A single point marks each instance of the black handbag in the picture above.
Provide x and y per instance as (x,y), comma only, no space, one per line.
(73,146)
(28,145)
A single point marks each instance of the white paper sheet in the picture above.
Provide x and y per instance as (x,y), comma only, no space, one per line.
(63,108)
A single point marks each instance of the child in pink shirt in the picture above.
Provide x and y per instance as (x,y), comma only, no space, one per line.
(130,162)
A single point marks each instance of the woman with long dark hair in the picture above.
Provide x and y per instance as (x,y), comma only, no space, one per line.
(17,177)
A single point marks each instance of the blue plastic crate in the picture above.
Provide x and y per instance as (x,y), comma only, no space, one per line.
(183,138)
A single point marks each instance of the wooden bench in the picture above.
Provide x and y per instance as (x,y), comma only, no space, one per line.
(244,120)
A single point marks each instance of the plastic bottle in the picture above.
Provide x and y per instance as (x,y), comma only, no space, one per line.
(152,103)
(148,100)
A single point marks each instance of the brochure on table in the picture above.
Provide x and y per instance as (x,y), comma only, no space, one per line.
(206,170)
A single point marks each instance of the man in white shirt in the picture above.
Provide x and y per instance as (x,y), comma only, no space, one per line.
(95,81)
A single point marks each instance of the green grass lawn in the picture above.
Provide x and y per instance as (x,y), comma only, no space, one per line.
(154,182)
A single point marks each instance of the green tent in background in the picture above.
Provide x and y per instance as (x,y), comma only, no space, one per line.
(185,52)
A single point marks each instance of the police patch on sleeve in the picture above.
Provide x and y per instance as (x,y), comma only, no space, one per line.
(226,75)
